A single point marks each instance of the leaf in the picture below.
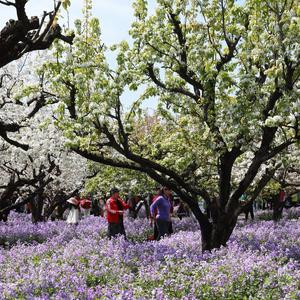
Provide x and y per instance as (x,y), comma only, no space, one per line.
(66,4)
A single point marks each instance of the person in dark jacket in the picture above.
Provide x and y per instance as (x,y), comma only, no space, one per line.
(115,208)
(132,203)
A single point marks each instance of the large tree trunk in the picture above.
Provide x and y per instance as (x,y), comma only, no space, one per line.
(277,208)
(37,209)
(222,231)
(215,234)
(218,234)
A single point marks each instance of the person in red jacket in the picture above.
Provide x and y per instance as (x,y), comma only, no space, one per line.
(115,208)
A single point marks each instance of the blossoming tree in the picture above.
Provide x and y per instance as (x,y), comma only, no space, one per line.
(45,175)
(225,77)
(33,159)
(22,36)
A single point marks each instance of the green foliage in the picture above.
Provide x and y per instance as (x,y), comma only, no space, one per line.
(126,180)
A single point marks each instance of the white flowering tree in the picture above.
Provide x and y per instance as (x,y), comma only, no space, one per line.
(45,175)
(17,38)
(33,157)
(225,77)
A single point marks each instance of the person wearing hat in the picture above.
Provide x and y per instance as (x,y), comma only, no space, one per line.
(73,217)
(115,208)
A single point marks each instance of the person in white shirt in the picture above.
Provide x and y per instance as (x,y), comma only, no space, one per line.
(74,214)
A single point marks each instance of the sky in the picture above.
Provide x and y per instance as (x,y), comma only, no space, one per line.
(115,18)
(115,15)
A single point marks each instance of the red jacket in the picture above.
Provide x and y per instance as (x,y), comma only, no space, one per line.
(111,207)
(85,203)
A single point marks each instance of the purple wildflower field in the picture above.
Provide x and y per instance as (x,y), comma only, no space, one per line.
(55,261)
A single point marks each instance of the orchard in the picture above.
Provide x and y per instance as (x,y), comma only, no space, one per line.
(156,162)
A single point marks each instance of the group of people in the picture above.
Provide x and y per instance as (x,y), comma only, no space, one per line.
(160,208)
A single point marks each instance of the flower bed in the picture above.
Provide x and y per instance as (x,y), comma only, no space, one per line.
(287,214)
(64,262)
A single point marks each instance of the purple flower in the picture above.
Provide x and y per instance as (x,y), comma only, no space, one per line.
(56,261)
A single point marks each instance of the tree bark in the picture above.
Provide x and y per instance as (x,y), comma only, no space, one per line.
(25,35)
(37,208)
(277,207)
(218,234)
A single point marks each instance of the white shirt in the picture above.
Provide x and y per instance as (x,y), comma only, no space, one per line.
(73,217)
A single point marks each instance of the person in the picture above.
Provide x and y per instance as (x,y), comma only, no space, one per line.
(147,198)
(141,207)
(96,208)
(137,207)
(115,208)
(248,209)
(182,210)
(20,209)
(28,208)
(73,217)
(102,205)
(161,211)
(153,216)
(86,205)
(131,201)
